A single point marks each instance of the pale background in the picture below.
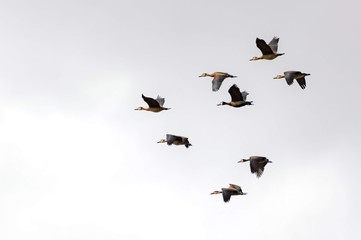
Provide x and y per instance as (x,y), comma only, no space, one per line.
(77,162)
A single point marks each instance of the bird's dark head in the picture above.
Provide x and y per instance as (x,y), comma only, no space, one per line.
(280,54)
(249,103)
(140,108)
(221,103)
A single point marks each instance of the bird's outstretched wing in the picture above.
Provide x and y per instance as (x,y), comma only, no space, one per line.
(257,165)
(235,187)
(217,82)
(160,100)
(244,95)
(289,76)
(235,93)
(263,46)
(274,44)
(151,102)
(226,193)
(302,82)
(172,138)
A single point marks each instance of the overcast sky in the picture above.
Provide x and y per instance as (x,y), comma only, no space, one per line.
(77,162)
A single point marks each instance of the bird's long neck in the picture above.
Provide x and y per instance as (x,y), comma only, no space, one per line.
(256,58)
(279,77)
(216,192)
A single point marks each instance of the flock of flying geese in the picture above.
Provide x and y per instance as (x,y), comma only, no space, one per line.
(238,99)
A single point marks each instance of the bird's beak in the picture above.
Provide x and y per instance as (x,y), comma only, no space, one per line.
(269,161)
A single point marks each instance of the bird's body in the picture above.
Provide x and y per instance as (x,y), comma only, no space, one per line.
(154,105)
(218,78)
(294,75)
(176,140)
(238,98)
(257,164)
(269,51)
(232,190)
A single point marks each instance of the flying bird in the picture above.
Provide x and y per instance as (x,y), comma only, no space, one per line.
(176,140)
(238,98)
(218,78)
(257,164)
(230,191)
(291,75)
(269,51)
(154,105)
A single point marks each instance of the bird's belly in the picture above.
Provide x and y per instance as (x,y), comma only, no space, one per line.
(237,104)
(155,109)
(269,56)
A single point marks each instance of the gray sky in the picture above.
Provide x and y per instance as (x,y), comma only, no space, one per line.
(77,162)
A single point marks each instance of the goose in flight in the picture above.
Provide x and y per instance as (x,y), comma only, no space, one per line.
(238,98)
(291,75)
(269,51)
(218,78)
(230,191)
(257,164)
(154,105)
(175,140)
